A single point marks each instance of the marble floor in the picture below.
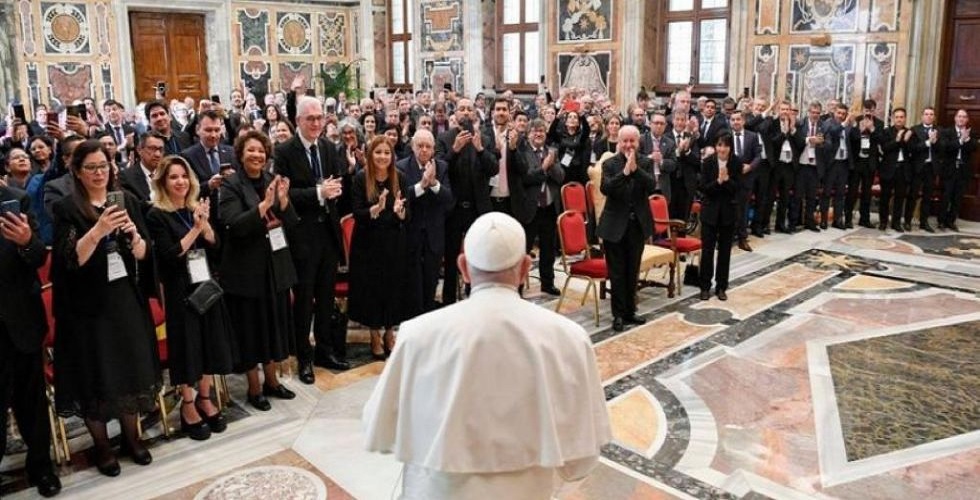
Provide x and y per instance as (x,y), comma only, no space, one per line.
(843,365)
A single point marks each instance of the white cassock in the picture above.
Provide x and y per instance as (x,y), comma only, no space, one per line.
(489,399)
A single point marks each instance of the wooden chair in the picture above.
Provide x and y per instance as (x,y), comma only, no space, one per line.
(665,235)
(576,259)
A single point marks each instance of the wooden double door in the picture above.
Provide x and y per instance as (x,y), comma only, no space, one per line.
(960,84)
(170,48)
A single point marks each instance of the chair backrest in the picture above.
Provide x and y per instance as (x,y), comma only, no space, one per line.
(572,234)
(661,214)
(347,229)
(573,198)
(44,272)
(46,298)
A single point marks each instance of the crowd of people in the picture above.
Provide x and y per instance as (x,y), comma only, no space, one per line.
(231,218)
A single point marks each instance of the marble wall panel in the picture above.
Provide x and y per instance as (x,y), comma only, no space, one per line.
(255,74)
(253,31)
(578,21)
(820,74)
(884,15)
(69,81)
(833,16)
(289,70)
(102,20)
(333,33)
(764,70)
(489,44)
(380,24)
(65,27)
(879,76)
(441,43)
(590,71)
(767,16)
(26,15)
(438,72)
(107,89)
(295,33)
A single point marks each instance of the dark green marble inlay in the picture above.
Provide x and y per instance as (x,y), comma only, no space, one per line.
(902,390)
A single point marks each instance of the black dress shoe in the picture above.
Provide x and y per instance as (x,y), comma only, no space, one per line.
(721,295)
(823,226)
(866,224)
(744,245)
(849,225)
(110,469)
(636,319)
(927,228)
(139,454)
(815,229)
(898,227)
(306,374)
(550,290)
(766,230)
(705,294)
(758,234)
(882,226)
(199,431)
(47,483)
(907,227)
(259,402)
(216,422)
(332,363)
(841,226)
(618,324)
(953,227)
(278,392)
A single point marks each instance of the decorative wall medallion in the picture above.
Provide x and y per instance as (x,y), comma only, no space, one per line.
(256,75)
(333,26)
(69,81)
(584,21)
(835,16)
(26,15)
(879,76)
(585,71)
(253,34)
(295,33)
(271,481)
(764,70)
(65,28)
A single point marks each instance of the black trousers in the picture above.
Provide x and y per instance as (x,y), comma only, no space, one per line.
(543,228)
(920,188)
(954,187)
(903,176)
(884,208)
(715,237)
(679,204)
(763,197)
(805,196)
(501,205)
(22,389)
(745,189)
(458,222)
(859,183)
(623,262)
(834,183)
(313,302)
(425,264)
(783,180)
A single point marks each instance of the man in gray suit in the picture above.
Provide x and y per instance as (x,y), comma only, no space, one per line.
(542,200)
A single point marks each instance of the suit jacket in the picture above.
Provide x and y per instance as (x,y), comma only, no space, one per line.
(122,155)
(835,134)
(516,170)
(177,142)
(890,147)
(535,178)
(719,201)
(319,225)
(820,151)
(470,170)
(56,189)
(688,166)
(715,128)
(957,170)
(875,139)
(626,194)
(427,225)
(198,158)
(777,137)
(669,165)
(247,255)
(762,125)
(134,182)
(751,149)
(920,150)
(21,310)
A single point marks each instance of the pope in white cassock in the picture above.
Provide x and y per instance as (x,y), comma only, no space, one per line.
(493,397)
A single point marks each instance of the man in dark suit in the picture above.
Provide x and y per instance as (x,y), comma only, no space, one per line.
(315,173)
(507,187)
(626,222)
(710,125)
(895,171)
(542,200)
(839,164)
(760,122)
(865,142)
(687,156)
(174,141)
(58,182)
(22,329)
(472,161)
(786,154)
(960,147)
(122,133)
(811,134)
(660,148)
(430,199)
(138,179)
(748,149)
(927,150)
(210,157)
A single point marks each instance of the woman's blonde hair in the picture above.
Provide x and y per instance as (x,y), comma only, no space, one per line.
(392,182)
(161,199)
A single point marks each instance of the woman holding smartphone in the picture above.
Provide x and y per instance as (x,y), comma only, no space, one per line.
(198,345)
(106,348)
(257,267)
(720,174)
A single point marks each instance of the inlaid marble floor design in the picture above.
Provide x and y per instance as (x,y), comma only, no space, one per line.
(843,365)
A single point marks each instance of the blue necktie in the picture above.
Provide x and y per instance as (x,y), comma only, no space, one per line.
(315,161)
(213,159)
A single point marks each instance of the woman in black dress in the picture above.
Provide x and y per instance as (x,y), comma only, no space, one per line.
(256,266)
(378,252)
(719,183)
(106,348)
(570,134)
(198,346)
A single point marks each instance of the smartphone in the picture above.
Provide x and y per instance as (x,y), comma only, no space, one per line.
(115,199)
(691,81)
(371,95)
(162,88)
(19,113)
(215,98)
(311,92)
(73,110)
(10,207)
(745,92)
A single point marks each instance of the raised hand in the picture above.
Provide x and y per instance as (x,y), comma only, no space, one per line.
(111,219)
(399,207)
(282,192)
(462,139)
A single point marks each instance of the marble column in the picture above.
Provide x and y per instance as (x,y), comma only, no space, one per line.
(738,55)
(9,83)
(924,57)
(366,32)
(473,46)
(632,51)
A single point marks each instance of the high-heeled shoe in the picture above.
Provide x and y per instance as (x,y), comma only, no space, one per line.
(216,422)
(137,452)
(199,431)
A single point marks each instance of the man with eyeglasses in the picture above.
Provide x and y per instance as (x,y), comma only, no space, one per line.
(138,179)
(317,176)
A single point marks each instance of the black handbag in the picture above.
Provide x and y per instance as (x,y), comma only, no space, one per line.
(204,296)
(692,275)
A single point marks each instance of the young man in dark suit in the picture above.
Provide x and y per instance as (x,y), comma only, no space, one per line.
(839,164)
(626,222)
(122,133)
(812,165)
(174,141)
(761,122)
(787,146)
(22,329)
(210,157)
(138,178)
(960,147)
(711,124)
(542,200)
(927,158)
(315,172)
(895,171)
(748,149)
(865,143)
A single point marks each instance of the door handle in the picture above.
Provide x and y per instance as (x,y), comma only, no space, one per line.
(968,97)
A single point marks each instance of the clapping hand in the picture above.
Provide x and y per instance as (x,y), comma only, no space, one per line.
(379,207)
(202,213)
(722,174)
(933,136)
(282,192)
(270,197)
(630,163)
(399,206)
(429,175)
(331,187)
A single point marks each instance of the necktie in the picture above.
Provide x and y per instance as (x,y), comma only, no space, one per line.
(213,159)
(119,135)
(704,127)
(543,193)
(738,144)
(928,144)
(315,162)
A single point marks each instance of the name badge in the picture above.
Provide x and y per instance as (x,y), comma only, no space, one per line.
(566,160)
(277,238)
(865,143)
(592,157)
(810,153)
(786,154)
(495,181)
(116,267)
(197,266)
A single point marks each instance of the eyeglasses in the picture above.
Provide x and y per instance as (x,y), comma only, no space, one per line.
(96,167)
(314,118)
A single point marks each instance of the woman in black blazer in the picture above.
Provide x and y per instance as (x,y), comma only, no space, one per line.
(719,185)
(257,267)
(106,349)
(198,345)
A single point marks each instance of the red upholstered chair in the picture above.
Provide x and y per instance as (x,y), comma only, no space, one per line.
(159,316)
(576,258)
(44,272)
(573,198)
(342,286)
(665,235)
(59,436)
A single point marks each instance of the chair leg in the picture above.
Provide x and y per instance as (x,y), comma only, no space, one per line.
(561,298)
(163,414)
(55,439)
(670,282)
(63,432)
(585,295)
(595,301)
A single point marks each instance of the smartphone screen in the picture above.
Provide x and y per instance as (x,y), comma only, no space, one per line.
(115,199)
(82,112)
(72,110)
(216,99)
(10,206)
(19,113)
